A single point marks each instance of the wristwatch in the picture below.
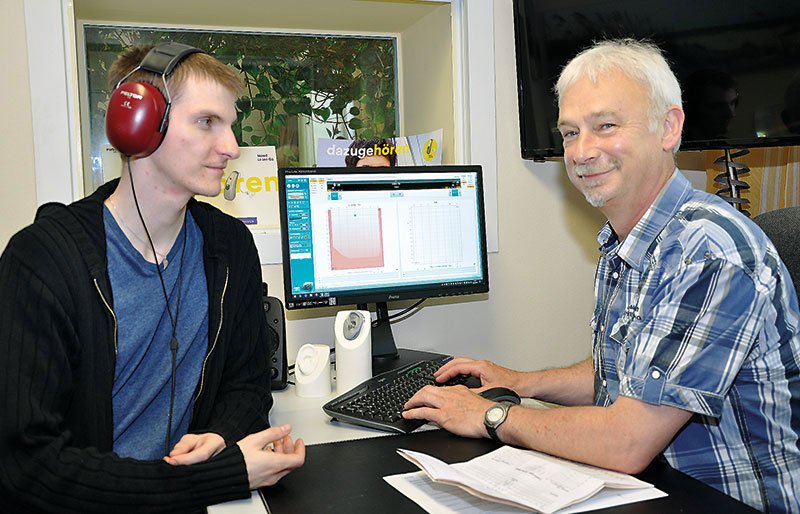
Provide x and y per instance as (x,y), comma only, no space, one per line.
(494,417)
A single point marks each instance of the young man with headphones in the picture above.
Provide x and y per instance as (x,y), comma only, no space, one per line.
(135,371)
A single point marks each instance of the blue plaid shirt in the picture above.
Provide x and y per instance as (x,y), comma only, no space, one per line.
(695,310)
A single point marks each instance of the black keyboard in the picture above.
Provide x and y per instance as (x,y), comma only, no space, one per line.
(378,402)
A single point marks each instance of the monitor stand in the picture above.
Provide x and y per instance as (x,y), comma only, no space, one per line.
(385,355)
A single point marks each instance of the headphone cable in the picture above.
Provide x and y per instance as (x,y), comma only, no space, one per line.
(173,344)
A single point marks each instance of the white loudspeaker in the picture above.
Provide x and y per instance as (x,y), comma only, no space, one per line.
(352,332)
(312,371)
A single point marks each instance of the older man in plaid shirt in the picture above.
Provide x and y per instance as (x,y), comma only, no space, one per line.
(695,352)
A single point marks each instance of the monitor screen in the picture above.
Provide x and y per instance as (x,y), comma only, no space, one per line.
(738,64)
(373,235)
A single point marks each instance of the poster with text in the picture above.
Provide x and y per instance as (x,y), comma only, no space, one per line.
(419,150)
(255,200)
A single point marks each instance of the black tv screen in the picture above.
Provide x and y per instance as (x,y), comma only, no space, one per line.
(738,62)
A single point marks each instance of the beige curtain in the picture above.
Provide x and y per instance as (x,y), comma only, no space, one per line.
(774,177)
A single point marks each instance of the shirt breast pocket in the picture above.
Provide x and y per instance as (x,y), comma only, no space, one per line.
(624,331)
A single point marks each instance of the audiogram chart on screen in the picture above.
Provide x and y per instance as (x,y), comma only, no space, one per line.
(356,238)
(435,234)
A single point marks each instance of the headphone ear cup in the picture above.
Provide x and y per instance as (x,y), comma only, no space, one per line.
(135,114)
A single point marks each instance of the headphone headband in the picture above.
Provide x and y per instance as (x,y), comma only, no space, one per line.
(163,58)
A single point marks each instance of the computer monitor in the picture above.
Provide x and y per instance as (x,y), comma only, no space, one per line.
(358,236)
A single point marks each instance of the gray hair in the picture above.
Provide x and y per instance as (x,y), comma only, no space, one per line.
(641,61)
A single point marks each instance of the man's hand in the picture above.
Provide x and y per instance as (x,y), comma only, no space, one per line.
(456,409)
(270,455)
(194,448)
(490,373)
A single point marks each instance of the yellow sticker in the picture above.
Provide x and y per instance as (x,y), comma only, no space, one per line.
(429,150)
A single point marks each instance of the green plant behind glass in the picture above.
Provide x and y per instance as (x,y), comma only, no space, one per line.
(348,83)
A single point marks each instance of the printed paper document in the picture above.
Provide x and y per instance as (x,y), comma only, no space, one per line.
(529,479)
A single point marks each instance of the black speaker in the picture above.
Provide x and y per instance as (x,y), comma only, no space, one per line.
(276,327)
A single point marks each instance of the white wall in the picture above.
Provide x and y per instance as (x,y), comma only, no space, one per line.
(426,79)
(18,194)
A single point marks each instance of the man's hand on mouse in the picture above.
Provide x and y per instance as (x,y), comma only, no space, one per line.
(490,373)
(457,409)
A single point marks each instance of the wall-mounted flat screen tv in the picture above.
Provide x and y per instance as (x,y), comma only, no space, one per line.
(738,63)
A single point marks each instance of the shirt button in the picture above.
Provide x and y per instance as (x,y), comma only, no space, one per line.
(605,383)
(615,275)
(707,255)
(655,374)
(687,260)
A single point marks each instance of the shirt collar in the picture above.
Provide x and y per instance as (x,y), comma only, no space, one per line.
(633,249)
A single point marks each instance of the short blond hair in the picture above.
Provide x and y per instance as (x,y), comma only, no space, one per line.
(197,65)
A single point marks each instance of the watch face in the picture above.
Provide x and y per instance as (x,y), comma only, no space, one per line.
(495,414)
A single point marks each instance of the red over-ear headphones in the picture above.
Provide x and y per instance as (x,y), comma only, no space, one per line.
(136,121)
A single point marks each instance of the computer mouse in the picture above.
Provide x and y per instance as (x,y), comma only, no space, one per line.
(500,394)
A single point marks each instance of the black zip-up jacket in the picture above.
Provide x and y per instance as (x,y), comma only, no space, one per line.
(57,356)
